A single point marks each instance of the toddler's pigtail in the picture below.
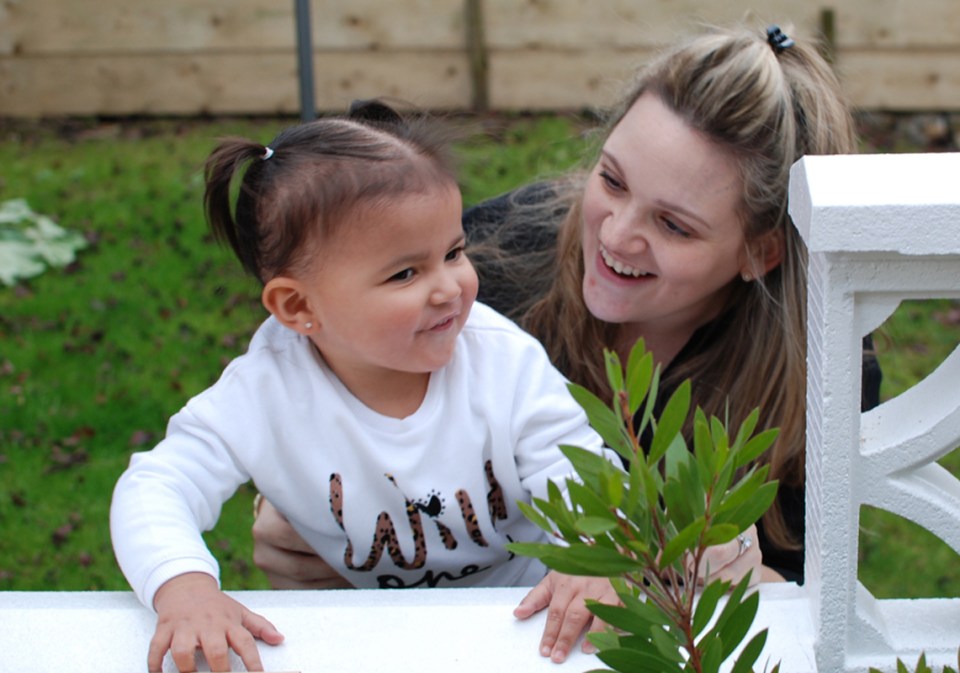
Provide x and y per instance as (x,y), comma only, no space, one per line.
(240,229)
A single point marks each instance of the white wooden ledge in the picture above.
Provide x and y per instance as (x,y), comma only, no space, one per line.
(416,631)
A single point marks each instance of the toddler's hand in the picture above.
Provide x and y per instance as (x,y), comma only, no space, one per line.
(567,614)
(192,614)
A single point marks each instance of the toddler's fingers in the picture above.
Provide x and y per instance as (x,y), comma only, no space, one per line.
(243,643)
(568,626)
(183,649)
(159,645)
(261,628)
(536,600)
(217,651)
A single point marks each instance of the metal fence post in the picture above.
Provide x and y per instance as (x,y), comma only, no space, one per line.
(308,108)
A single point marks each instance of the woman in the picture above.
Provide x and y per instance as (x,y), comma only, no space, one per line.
(678,234)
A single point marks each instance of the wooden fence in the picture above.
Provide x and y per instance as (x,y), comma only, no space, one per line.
(186,57)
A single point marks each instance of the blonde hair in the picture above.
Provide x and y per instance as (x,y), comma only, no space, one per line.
(767,109)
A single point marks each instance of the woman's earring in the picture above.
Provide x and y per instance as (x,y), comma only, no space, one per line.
(746,277)
(308,325)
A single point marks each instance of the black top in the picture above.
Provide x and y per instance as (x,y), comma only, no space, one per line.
(509,292)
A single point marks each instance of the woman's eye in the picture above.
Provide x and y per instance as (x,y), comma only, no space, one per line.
(610,181)
(406,274)
(675,228)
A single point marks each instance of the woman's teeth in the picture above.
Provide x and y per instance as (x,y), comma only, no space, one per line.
(622,269)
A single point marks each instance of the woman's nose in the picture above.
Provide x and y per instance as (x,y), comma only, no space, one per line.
(623,230)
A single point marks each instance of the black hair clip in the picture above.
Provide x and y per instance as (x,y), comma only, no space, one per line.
(373,111)
(778,39)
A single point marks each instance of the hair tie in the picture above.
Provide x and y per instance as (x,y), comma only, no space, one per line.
(778,39)
(267,153)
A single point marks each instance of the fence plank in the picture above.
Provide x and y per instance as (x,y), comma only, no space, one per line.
(565,24)
(219,84)
(527,79)
(48,27)
(195,56)
(901,81)
(522,24)
(145,26)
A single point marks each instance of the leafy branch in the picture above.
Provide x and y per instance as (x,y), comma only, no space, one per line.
(30,242)
(648,527)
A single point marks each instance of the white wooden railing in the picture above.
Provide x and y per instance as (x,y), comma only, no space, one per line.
(879,229)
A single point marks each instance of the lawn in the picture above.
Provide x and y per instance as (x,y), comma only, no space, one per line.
(95,357)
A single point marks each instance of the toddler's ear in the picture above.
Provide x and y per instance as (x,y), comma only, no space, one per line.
(285,299)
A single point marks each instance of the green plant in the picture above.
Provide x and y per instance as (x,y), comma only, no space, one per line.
(29,242)
(921,666)
(648,527)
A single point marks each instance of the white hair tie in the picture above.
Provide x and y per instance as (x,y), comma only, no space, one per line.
(267,153)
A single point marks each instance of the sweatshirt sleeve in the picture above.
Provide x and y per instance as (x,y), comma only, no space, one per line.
(163,501)
(546,417)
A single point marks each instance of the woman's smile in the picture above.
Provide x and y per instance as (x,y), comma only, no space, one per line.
(619,267)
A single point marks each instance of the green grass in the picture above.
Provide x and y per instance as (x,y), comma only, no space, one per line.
(897,557)
(96,357)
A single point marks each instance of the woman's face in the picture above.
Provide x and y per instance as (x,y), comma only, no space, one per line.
(662,240)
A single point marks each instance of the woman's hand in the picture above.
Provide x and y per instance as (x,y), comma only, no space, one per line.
(567,614)
(284,557)
(731,561)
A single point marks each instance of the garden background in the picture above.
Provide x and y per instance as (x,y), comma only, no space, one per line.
(106,117)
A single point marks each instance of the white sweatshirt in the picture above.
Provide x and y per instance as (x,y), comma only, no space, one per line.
(427,500)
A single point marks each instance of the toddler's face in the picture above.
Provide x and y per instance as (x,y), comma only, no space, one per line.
(393,288)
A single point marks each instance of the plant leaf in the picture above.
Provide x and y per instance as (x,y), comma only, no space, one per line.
(635,661)
(580,559)
(736,627)
(713,655)
(534,516)
(750,653)
(707,604)
(756,446)
(604,421)
(594,526)
(639,375)
(751,510)
(720,534)
(589,465)
(634,618)
(680,543)
(666,645)
(671,421)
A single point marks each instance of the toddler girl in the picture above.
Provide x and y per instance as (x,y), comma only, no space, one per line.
(391,419)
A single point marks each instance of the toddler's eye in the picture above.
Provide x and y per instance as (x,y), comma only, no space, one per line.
(406,274)
(455,254)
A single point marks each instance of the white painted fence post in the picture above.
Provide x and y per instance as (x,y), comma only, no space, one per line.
(878,229)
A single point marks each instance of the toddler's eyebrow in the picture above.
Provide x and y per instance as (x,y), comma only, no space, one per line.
(421,255)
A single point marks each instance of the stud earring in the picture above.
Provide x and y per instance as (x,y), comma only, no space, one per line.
(746,277)
(308,325)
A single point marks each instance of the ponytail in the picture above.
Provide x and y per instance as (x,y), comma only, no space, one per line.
(237,229)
